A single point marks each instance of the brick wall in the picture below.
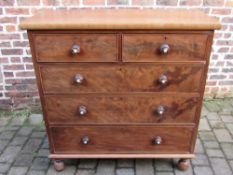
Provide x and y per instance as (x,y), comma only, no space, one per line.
(17,79)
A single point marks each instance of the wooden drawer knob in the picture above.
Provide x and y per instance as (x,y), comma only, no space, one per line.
(75,50)
(158,140)
(164,49)
(160,110)
(163,79)
(85,140)
(79,78)
(82,110)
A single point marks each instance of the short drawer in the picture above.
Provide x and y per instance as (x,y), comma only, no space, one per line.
(120,109)
(164,47)
(75,47)
(121,139)
(87,78)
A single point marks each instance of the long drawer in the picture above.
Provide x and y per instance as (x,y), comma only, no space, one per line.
(76,47)
(97,78)
(164,47)
(121,139)
(115,109)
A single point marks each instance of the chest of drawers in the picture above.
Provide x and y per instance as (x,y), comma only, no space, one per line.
(121,83)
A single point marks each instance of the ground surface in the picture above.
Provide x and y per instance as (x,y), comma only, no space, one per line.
(24,148)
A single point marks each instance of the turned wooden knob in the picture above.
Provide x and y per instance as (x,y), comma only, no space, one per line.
(85,140)
(79,79)
(158,140)
(163,79)
(75,50)
(160,110)
(82,110)
(164,49)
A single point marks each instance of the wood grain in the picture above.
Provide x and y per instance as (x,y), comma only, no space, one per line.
(121,139)
(120,78)
(120,109)
(163,19)
(94,47)
(117,93)
(146,47)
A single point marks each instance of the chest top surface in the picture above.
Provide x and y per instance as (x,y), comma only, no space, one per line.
(120,19)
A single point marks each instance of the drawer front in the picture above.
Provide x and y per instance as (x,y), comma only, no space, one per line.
(115,109)
(84,78)
(164,47)
(76,47)
(121,139)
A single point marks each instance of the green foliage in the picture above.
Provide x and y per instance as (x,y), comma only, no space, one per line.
(17,113)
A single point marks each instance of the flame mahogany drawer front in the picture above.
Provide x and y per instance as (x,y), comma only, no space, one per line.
(108,78)
(104,47)
(121,139)
(52,47)
(115,109)
(164,47)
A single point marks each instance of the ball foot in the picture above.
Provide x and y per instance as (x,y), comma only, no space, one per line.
(58,165)
(183,164)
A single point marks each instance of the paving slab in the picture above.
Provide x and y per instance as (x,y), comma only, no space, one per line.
(24,160)
(227,118)
(198,146)
(212,106)
(204,125)
(4,167)
(125,171)
(211,144)
(220,166)
(228,150)
(200,159)
(214,153)
(144,166)
(163,165)
(9,154)
(87,163)
(125,163)
(203,170)
(69,170)
(223,135)
(18,171)
(85,172)
(106,167)
(217,124)
(207,136)
(35,119)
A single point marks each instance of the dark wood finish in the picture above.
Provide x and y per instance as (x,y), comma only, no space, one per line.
(183,164)
(202,83)
(110,109)
(128,87)
(93,47)
(121,139)
(39,85)
(121,78)
(146,47)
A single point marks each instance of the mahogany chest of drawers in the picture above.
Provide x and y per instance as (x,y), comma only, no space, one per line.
(121,83)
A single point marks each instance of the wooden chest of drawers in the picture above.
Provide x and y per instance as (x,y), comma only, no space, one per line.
(121,83)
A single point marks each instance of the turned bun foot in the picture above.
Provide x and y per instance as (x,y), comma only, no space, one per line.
(183,164)
(58,165)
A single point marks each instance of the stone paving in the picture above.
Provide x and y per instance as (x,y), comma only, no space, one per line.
(24,149)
